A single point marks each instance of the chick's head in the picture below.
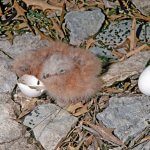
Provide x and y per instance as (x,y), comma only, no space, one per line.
(55,65)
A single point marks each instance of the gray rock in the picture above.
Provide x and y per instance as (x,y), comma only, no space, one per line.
(9,129)
(122,70)
(143,146)
(20,144)
(143,6)
(50,124)
(100,51)
(22,43)
(128,115)
(7,78)
(83,24)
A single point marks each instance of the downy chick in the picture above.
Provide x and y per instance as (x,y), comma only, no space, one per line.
(69,74)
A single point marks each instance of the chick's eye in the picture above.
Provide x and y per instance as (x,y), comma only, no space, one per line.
(62,71)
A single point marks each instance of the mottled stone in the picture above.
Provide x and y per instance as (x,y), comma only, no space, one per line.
(143,6)
(50,124)
(83,24)
(117,33)
(129,116)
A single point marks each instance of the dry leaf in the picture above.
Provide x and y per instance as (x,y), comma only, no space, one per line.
(72,108)
(89,43)
(27,107)
(78,109)
(105,133)
(19,9)
(81,111)
(43,4)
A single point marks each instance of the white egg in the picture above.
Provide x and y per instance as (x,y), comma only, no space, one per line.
(31,86)
(144,81)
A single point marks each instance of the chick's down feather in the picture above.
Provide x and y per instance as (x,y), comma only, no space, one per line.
(69,74)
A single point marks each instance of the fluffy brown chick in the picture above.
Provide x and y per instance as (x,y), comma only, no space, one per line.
(69,74)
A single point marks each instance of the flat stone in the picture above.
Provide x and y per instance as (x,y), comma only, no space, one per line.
(83,24)
(8,79)
(128,115)
(50,124)
(20,144)
(9,129)
(129,67)
(22,43)
(143,6)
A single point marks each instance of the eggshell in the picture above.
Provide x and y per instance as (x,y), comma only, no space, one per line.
(30,86)
(144,81)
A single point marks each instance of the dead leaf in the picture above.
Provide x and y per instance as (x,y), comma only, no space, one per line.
(81,111)
(43,4)
(19,9)
(78,109)
(105,133)
(27,107)
(72,108)
(89,43)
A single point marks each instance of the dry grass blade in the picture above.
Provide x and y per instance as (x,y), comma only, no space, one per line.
(132,36)
(105,133)
(57,28)
(43,4)
(89,43)
(138,49)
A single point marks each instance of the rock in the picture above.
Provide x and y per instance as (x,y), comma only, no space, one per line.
(50,124)
(100,51)
(117,33)
(143,146)
(143,6)
(8,79)
(20,144)
(128,115)
(83,24)
(22,43)
(129,67)
(9,129)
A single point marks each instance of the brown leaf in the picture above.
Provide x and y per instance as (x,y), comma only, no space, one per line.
(89,43)
(105,133)
(78,109)
(27,107)
(43,4)
(19,9)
